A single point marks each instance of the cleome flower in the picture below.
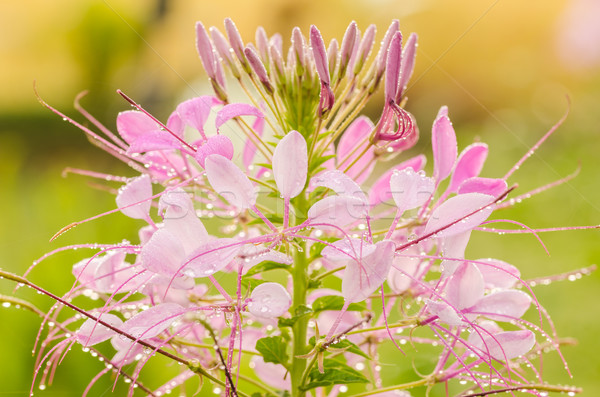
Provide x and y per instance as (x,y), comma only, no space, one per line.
(256,219)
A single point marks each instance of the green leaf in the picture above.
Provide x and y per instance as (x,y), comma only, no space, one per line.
(317,161)
(343,344)
(335,373)
(350,348)
(334,302)
(251,282)
(300,312)
(273,349)
(266,266)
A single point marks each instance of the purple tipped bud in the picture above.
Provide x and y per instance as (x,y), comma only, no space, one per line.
(258,68)
(276,61)
(347,47)
(277,41)
(291,58)
(392,70)
(332,56)
(224,50)
(205,50)
(236,42)
(408,64)
(382,54)
(365,48)
(319,53)
(298,46)
(262,43)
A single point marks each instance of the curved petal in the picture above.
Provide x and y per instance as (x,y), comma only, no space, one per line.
(410,189)
(459,214)
(269,300)
(136,190)
(348,151)
(362,278)
(498,274)
(337,210)
(210,258)
(217,144)
(236,110)
(340,183)
(181,220)
(503,305)
(91,332)
(290,164)
(444,147)
(194,112)
(380,191)
(143,134)
(469,164)
(503,345)
(151,322)
(230,182)
(493,187)
(465,287)
(163,254)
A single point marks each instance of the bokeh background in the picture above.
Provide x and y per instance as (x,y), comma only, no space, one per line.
(505,68)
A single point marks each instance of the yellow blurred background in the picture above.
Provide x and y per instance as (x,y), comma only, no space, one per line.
(505,69)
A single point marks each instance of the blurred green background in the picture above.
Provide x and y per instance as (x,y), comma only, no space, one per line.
(504,68)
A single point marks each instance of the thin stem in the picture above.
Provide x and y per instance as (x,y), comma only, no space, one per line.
(422,382)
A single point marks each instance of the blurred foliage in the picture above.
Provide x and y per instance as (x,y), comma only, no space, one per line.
(496,65)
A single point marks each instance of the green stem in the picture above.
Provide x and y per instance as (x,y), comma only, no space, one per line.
(404,386)
(300,279)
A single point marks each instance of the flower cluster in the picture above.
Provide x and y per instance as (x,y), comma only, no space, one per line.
(281,194)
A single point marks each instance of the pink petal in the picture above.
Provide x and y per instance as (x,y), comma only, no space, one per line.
(163,254)
(151,322)
(337,210)
(91,332)
(271,256)
(380,191)
(274,375)
(354,134)
(181,220)
(445,313)
(236,110)
(410,189)
(340,183)
(498,274)
(493,187)
(194,112)
(217,144)
(348,249)
(398,280)
(503,305)
(143,134)
(454,246)
(465,287)
(136,190)
(230,182)
(269,300)
(290,164)
(249,147)
(444,147)
(456,212)
(469,164)
(210,258)
(362,278)
(503,345)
